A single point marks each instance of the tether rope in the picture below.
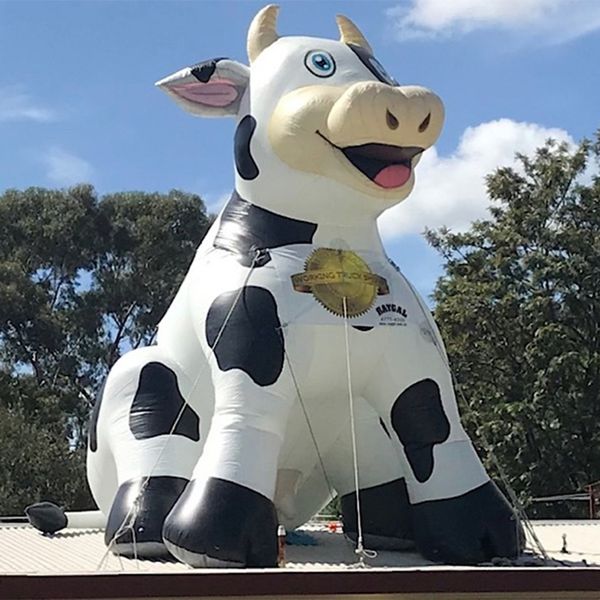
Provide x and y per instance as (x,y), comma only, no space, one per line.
(129,519)
(360,550)
(332,492)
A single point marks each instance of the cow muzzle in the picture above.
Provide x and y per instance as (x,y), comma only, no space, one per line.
(382,130)
(368,136)
(407,115)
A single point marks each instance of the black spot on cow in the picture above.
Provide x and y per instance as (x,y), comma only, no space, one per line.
(203,71)
(94,419)
(419,420)
(152,505)
(222,523)
(244,163)
(385,516)
(246,229)
(362,327)
(252,339)
(158,403)
(376,68)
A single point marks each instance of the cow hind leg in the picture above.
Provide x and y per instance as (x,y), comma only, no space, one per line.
(153,436)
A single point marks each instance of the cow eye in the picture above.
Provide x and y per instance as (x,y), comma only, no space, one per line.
(320,63)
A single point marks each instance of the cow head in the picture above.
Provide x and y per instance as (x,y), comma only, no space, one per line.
(324,132)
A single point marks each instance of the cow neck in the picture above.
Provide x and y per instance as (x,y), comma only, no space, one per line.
(359,237)
(246,228)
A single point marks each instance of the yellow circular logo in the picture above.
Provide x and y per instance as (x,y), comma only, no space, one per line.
(338,276)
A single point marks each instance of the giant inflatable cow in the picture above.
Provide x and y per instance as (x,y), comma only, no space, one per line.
(290,316)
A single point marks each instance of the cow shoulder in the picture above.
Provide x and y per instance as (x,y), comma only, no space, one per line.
(244,332)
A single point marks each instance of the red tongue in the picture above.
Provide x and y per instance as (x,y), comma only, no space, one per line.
(392,176)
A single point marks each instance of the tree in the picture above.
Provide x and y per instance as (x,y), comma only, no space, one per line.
(82,279)
(36,464)
(519,308)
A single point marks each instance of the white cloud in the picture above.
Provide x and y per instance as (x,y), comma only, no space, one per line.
(547,21)
(450,190)
(17,105)
(64,168)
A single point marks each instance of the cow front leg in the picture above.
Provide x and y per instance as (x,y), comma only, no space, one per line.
(458,514)
(226,516)
(455,520)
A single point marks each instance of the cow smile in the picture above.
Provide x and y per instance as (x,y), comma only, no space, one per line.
(385,165)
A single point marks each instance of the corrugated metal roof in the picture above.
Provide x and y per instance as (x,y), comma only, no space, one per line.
(25,550)
(582,539)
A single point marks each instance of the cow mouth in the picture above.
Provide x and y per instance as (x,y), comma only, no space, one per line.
(385,165)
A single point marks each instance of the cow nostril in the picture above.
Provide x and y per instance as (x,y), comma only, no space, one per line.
(425,123)
(391,120)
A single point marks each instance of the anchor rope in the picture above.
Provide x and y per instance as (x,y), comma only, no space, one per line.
(360,550)
(313,437)
(130,517)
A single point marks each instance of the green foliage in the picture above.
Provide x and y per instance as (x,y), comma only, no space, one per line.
(334,507)
(82,280)
(519,309)
(36,464)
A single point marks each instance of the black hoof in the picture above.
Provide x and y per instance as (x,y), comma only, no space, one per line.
(135,521)
(46,517)
(222,524)
(386,519)
(469,529)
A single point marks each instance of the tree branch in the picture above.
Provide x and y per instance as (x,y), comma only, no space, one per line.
(121,328)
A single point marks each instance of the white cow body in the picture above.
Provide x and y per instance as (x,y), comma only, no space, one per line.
(249,391)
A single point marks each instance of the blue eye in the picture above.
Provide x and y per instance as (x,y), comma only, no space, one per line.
(320,63)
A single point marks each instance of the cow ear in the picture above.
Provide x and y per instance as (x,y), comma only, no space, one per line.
(213,88)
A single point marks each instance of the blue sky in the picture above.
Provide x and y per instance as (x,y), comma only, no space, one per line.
(77,101)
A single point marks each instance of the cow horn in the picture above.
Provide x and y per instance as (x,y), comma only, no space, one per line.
(263,31)
(350,33)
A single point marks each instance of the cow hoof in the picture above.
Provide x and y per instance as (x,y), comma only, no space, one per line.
(135,521)
(222,524)
(469,529)
(385,511)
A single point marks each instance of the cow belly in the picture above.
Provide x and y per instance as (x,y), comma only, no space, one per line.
(317,354)
(317,357)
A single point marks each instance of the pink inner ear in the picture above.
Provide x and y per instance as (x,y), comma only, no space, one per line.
(216,92)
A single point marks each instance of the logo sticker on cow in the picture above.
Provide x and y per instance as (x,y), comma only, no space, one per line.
(332,275)
(391,314)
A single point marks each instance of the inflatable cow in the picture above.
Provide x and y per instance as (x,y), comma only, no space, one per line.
(293,331)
